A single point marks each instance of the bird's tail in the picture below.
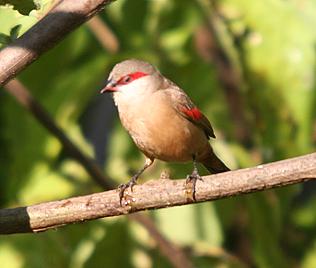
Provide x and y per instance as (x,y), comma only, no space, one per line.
(213,164)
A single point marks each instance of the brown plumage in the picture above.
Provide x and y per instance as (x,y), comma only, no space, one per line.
(161,119)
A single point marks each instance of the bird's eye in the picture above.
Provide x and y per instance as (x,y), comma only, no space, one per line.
(130,78)
(127,79)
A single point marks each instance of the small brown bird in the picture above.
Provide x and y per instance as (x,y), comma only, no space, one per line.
(161,119)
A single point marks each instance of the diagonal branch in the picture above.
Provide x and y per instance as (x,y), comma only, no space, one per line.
(103,33)
(66,16)
(157,194)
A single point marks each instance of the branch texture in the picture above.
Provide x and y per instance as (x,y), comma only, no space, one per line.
(61,20)
(157,194)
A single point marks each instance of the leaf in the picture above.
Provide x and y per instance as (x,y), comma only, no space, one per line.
(24,7)
(14,33)
(4,39)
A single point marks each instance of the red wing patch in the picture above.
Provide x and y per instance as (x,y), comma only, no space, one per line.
(193,113)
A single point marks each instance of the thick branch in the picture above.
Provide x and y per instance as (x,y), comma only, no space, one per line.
(157,194)
(61,20)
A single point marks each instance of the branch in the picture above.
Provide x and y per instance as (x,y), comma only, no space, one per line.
(157,194)
(103,33)
(61,20)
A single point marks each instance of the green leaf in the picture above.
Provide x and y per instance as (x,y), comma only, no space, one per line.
(24,7)
(4,39)
(14,33)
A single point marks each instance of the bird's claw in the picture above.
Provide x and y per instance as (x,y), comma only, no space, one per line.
(122,187)
(192,179)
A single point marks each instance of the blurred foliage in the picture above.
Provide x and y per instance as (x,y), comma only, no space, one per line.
(270,45)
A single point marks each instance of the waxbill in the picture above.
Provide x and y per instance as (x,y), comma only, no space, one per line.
(161,119)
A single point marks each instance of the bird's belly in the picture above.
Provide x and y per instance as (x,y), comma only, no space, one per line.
(167,137)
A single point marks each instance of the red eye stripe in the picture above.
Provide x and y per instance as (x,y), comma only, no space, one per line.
(130,77)
(137,75)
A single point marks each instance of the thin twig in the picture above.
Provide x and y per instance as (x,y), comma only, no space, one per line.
(104,34)
(157,194)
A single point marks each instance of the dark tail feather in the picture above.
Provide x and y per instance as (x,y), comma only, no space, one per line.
(214,164)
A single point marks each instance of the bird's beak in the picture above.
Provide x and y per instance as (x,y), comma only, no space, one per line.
(109,87)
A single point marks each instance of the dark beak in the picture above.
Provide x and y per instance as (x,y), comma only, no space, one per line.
(109,87)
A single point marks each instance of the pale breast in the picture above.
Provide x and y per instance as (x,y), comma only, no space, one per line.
(159,131)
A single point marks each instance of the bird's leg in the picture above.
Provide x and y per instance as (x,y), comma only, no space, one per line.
(193,178)
(133,180)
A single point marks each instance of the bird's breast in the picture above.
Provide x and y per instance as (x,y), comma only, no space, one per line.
(161,132)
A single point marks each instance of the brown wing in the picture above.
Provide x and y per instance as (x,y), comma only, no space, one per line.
(186,108)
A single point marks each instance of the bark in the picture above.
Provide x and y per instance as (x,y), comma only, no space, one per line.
(157,194)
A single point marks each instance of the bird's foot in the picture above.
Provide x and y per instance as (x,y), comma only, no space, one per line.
(122,187)
(191,179)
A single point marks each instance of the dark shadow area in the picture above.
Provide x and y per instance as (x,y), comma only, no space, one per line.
(97,123)
(15,220)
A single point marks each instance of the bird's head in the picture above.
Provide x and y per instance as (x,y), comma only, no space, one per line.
(133,78)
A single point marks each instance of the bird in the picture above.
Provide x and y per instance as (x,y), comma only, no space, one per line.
(162,120)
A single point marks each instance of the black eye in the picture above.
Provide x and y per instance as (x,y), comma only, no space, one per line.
(127,79)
